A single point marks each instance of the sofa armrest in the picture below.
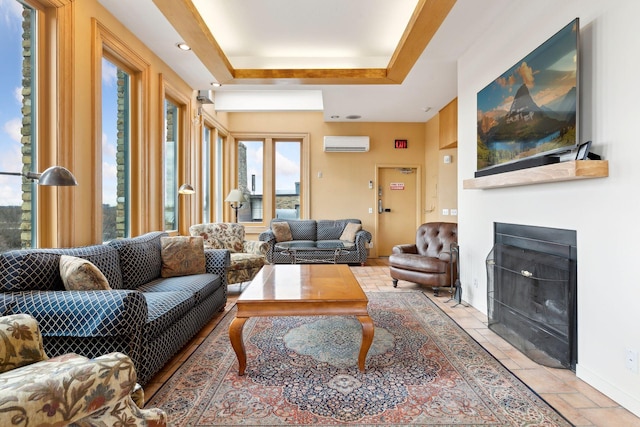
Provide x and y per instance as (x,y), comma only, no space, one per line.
(84,313)
(255,247)
(267,236)
(21,342)
(71,389)
(405,249)
(218,261)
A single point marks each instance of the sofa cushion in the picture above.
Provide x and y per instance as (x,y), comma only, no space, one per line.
(78,274)
(200,285)
(349,232)
(182,256)
(329,229)
(39,269)
(282,231)
(417,262)
(246,261)
(140,258)
(164,310)
(301,229)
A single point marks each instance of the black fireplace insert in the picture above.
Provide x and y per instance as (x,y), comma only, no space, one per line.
(532,292)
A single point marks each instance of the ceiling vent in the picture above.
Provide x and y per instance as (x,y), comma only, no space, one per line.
(346,144)
(205,96)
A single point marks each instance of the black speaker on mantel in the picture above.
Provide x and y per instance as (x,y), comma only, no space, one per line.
(522,164)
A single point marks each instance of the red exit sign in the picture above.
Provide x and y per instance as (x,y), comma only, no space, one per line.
(401,143)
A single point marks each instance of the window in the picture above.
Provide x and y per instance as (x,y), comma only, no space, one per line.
(115,151)
(207,134)
(219,196)
(19,124)
(287,181)
(171,120)
(250,180)
(270,174)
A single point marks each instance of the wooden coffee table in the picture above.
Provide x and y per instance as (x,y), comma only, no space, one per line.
(302,290)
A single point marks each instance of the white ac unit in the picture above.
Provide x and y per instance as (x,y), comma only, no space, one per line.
(346,144)
(205,96)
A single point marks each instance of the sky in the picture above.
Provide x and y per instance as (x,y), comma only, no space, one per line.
(10,101)
(287,165)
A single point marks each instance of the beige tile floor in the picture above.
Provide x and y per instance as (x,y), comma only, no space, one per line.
(580,403)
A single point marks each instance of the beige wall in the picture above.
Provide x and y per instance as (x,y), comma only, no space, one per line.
(79,207)
(343,190)
(440,178)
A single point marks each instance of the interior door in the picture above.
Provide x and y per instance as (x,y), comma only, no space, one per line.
(397,207)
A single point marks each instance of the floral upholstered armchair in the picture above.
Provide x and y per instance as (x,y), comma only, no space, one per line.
(65,390)
(247,256)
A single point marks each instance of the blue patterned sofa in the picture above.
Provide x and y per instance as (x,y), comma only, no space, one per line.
(145,316)
(309,230)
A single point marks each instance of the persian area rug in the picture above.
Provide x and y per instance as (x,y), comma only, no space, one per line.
(422,369)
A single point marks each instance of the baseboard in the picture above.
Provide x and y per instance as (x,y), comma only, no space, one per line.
(613,392)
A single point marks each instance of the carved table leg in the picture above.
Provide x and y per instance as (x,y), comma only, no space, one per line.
(235,336)
(367,339)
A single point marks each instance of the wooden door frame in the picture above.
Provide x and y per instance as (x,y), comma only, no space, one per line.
(418,215)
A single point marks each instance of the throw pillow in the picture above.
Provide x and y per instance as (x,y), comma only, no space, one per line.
(81,275)
(282,231)
(182,255)
(350,230)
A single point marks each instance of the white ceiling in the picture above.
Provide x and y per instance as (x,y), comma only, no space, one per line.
(248,30)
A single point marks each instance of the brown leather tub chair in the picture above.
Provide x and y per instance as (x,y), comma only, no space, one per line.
(429,261)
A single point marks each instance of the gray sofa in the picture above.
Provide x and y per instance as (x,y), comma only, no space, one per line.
(309,230)
(145,316)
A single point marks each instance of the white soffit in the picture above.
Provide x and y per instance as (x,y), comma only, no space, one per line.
(299,34)
(268,100)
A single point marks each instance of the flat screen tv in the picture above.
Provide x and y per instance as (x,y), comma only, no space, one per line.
(530,111)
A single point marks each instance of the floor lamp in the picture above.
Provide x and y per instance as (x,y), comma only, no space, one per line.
(236,198)
(54,176)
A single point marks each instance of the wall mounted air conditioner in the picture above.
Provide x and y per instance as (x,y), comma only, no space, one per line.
(205,96)
(346,144)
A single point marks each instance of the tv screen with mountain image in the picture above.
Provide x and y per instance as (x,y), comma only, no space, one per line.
(530,110)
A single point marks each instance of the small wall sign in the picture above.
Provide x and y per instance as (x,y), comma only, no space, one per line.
(396,186)
(401,143)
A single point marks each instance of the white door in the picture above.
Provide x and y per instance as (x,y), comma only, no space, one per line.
(397,207)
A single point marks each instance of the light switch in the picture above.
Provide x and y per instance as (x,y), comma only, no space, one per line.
(370,210)
(445,211)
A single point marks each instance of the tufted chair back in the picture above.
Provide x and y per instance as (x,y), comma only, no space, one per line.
(434,238)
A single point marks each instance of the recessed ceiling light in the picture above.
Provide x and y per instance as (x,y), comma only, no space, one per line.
(335,117)
(183,46)
(215,84)
(426,109)
(353,117)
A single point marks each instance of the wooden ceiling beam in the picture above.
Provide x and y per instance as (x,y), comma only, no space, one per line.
(186,19)
(424,22)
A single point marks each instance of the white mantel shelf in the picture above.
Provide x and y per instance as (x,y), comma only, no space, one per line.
(564,171)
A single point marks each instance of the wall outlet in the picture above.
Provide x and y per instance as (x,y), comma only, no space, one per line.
(631,360)
(475,283)
(371,244)
(370,210)
(454,212)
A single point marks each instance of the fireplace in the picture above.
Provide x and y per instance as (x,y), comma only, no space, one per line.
(531,292)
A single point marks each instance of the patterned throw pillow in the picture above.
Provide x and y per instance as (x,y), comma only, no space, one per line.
(182,255)
(78,274)
(349,232)
(282,231)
